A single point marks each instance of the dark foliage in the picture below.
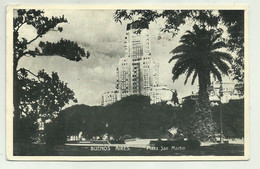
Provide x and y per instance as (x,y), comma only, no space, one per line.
(184,117)
(39,96)
(234,20)
(78,118)
(232,117)
(64,48)
(133,116)
(198,55)
(43,95)
(196,122)
(174,18)
(25,128)
(55,133)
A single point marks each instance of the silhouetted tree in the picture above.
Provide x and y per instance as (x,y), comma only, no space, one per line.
(232,118)
(132,116)
(129,119)
(235,20)
(43,95)
(199,54)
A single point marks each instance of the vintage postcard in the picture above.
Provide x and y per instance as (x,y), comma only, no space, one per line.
(127,82)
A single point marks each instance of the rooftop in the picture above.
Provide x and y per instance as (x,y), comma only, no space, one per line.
(137,25)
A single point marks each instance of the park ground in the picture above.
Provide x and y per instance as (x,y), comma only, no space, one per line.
(233,148)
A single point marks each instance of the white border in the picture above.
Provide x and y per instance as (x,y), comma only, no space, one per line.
(9,84)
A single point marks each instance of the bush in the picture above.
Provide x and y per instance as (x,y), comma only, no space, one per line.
(55,134)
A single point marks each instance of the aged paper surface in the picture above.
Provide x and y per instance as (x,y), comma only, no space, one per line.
(111,61)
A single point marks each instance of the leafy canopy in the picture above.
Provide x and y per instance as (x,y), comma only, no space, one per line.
(199,53)
(64,48)
(42,94)
(39,95)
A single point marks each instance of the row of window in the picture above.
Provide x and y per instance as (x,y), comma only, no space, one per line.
(146,58)
(135,60)
(109,96)
(146,66)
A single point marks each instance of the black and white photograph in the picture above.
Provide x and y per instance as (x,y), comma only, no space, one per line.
(164,83)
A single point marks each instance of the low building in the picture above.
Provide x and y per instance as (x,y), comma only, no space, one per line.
(229,92)
(109,98)
(160,94)
(193,96)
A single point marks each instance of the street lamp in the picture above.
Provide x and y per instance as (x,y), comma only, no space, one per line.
(221,125)
(108,138)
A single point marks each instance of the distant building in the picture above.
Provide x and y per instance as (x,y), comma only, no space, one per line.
(160,94)
(193,96)
(109,98)
(137,72)
(229,90)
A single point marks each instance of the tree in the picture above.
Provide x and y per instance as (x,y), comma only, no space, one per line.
(232,119)
(234,21)
(133,116)
(43,95)
(199,54)
(173,18)
(35,18)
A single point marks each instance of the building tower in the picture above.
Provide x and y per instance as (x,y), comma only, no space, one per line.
(137,72)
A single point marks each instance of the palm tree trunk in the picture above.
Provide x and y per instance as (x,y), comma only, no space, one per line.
(204,80)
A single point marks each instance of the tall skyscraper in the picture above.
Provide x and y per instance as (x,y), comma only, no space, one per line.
(137,72)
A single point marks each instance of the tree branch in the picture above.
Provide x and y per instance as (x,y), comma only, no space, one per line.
(29,72)
(34,39)
(20,26)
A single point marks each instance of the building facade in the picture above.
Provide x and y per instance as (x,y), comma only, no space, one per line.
(160,94)
(137,71)
(109,98)
(229,92)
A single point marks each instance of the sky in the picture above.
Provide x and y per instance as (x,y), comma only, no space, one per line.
(98,33)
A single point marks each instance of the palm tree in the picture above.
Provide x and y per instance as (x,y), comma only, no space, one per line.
(200,55)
